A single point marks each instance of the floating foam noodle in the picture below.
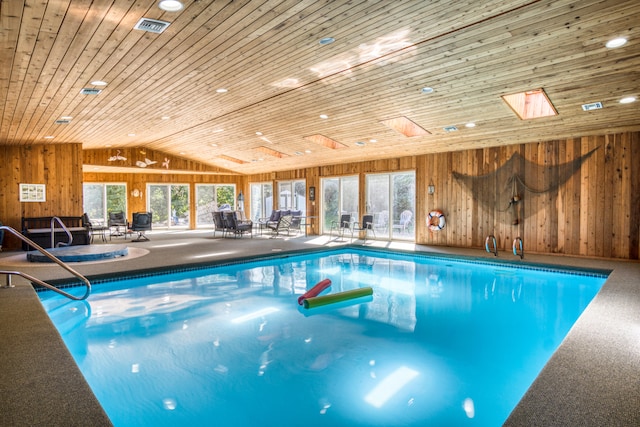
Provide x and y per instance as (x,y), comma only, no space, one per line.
(337,297)
(315,291)
(307,312)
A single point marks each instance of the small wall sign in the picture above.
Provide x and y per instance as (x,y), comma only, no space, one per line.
(33,193)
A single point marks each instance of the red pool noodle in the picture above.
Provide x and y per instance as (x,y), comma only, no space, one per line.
(315,291)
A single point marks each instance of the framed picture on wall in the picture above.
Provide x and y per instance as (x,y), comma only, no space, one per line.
(33,193)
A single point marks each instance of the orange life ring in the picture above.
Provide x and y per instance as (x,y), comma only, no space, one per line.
(436,221)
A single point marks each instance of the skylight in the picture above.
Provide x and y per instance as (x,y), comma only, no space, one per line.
(272,152)
(405,127)
(325,141)
(531,104)
(232,159)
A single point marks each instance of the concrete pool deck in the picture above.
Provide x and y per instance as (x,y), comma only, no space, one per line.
(593,379)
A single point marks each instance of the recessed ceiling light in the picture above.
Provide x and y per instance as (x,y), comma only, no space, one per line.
(470,125)
(98,83)
(326,40)
(324,116)
(66,118)
(373,140)
(307,151)
(165,117)
(49,137)
(259,133)
(426,90)
(107,145)
(222,90)
(182,153)
(214,144)
(131,134)
(170,5)
(617,42)
(628,100)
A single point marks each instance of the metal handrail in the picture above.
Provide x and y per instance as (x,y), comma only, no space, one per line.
(491,238)
(53,233)
(52,258)
(519,253)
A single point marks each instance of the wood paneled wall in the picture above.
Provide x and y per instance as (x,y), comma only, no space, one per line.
(58,166)
(594,213)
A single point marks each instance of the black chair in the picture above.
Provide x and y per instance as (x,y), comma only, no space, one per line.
(218,223)
(342,226)
(95,227)
(270,220)
(141,224)
(283,224)
(117,220)
(296,220)
(236,226)
(366,225)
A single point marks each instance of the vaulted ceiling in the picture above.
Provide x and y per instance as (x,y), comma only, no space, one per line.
(256,86)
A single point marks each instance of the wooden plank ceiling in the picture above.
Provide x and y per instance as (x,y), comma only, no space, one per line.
(162,89)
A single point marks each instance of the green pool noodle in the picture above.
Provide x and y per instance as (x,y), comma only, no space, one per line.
(337,297)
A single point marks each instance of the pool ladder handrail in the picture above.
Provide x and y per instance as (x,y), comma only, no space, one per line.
(491,238)
(52,258)
(519,253)
(53,233)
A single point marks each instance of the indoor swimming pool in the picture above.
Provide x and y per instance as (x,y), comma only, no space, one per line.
(442,341)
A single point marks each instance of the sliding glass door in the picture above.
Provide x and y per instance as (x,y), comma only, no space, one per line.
(391,200)
(339,197)
(100,199)
(292,195)
(209,198)
(169,204)
(261,200)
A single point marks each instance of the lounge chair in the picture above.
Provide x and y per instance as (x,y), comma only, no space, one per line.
(95,227)
(283,224)
(366,225)
(141,224)
(270,220)
(296,220)
(405,222)
(341,226)
(218,223)
(236,226)
(117,220)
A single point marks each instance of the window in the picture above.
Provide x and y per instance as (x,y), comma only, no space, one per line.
(292,195)
(210,197)
(261,200)
(339,196)
(100,199)
(391,200)
(169,204)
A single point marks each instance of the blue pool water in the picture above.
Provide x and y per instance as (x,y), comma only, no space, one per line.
(441,342)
